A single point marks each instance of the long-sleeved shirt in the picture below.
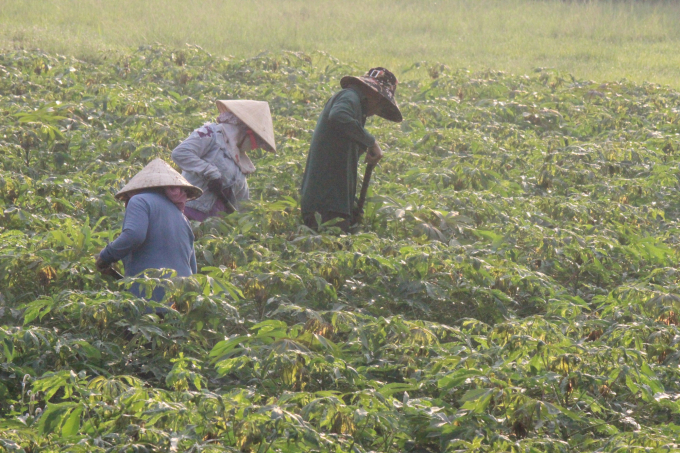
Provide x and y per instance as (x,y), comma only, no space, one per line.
(155,235)
(330,179)
(207,155)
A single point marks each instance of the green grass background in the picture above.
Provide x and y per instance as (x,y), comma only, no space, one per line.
(598,40)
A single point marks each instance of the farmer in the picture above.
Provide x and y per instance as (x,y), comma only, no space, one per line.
(330,179)
(155,235)
(214,157)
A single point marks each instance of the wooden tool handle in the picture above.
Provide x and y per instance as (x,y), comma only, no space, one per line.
(364,186)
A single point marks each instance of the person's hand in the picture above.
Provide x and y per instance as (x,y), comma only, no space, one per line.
(215,186)
(101,265)
(224,194)
(374,154)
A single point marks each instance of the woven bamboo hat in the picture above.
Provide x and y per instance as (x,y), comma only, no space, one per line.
(255,115)
(158,173)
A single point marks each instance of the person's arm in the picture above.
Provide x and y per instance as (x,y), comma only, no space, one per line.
(135,227)
(342,118)
(189,154)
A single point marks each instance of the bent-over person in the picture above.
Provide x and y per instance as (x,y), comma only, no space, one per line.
(330,179)
(156,234)
(214,157)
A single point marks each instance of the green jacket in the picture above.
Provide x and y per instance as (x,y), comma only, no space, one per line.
(330,179)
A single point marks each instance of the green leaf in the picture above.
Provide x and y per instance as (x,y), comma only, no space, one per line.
(54,416)
(72,424)
(477,400)
(391,389)
(475,394)
(457,378)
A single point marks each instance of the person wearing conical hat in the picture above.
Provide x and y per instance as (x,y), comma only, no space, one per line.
(156,234)
(214,157)
(330,178)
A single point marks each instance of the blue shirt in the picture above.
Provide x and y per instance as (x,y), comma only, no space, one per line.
(155,235)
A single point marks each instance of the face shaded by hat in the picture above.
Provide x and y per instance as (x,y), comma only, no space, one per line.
(157,174)
(382,82)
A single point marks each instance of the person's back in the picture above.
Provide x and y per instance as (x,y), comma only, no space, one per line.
(156,235)
(163,233)
(329,180)
(214,157)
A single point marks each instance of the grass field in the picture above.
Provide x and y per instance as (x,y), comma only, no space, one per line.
(603,41)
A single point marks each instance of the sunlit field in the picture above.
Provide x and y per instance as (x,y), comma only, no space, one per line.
(512,286)
(603,41)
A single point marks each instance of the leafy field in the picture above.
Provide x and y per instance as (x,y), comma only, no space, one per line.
(514,287)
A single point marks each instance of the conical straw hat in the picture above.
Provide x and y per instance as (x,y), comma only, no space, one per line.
(256,115)
(158,173)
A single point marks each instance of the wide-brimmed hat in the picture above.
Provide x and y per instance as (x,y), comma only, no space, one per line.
(384,83)
(158,173)
(255,115)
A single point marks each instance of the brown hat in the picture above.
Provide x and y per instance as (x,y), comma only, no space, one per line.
(158,173)
(255,115)
(384,83)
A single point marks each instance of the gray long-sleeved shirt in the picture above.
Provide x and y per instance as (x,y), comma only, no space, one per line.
(206,155)
(155,235)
